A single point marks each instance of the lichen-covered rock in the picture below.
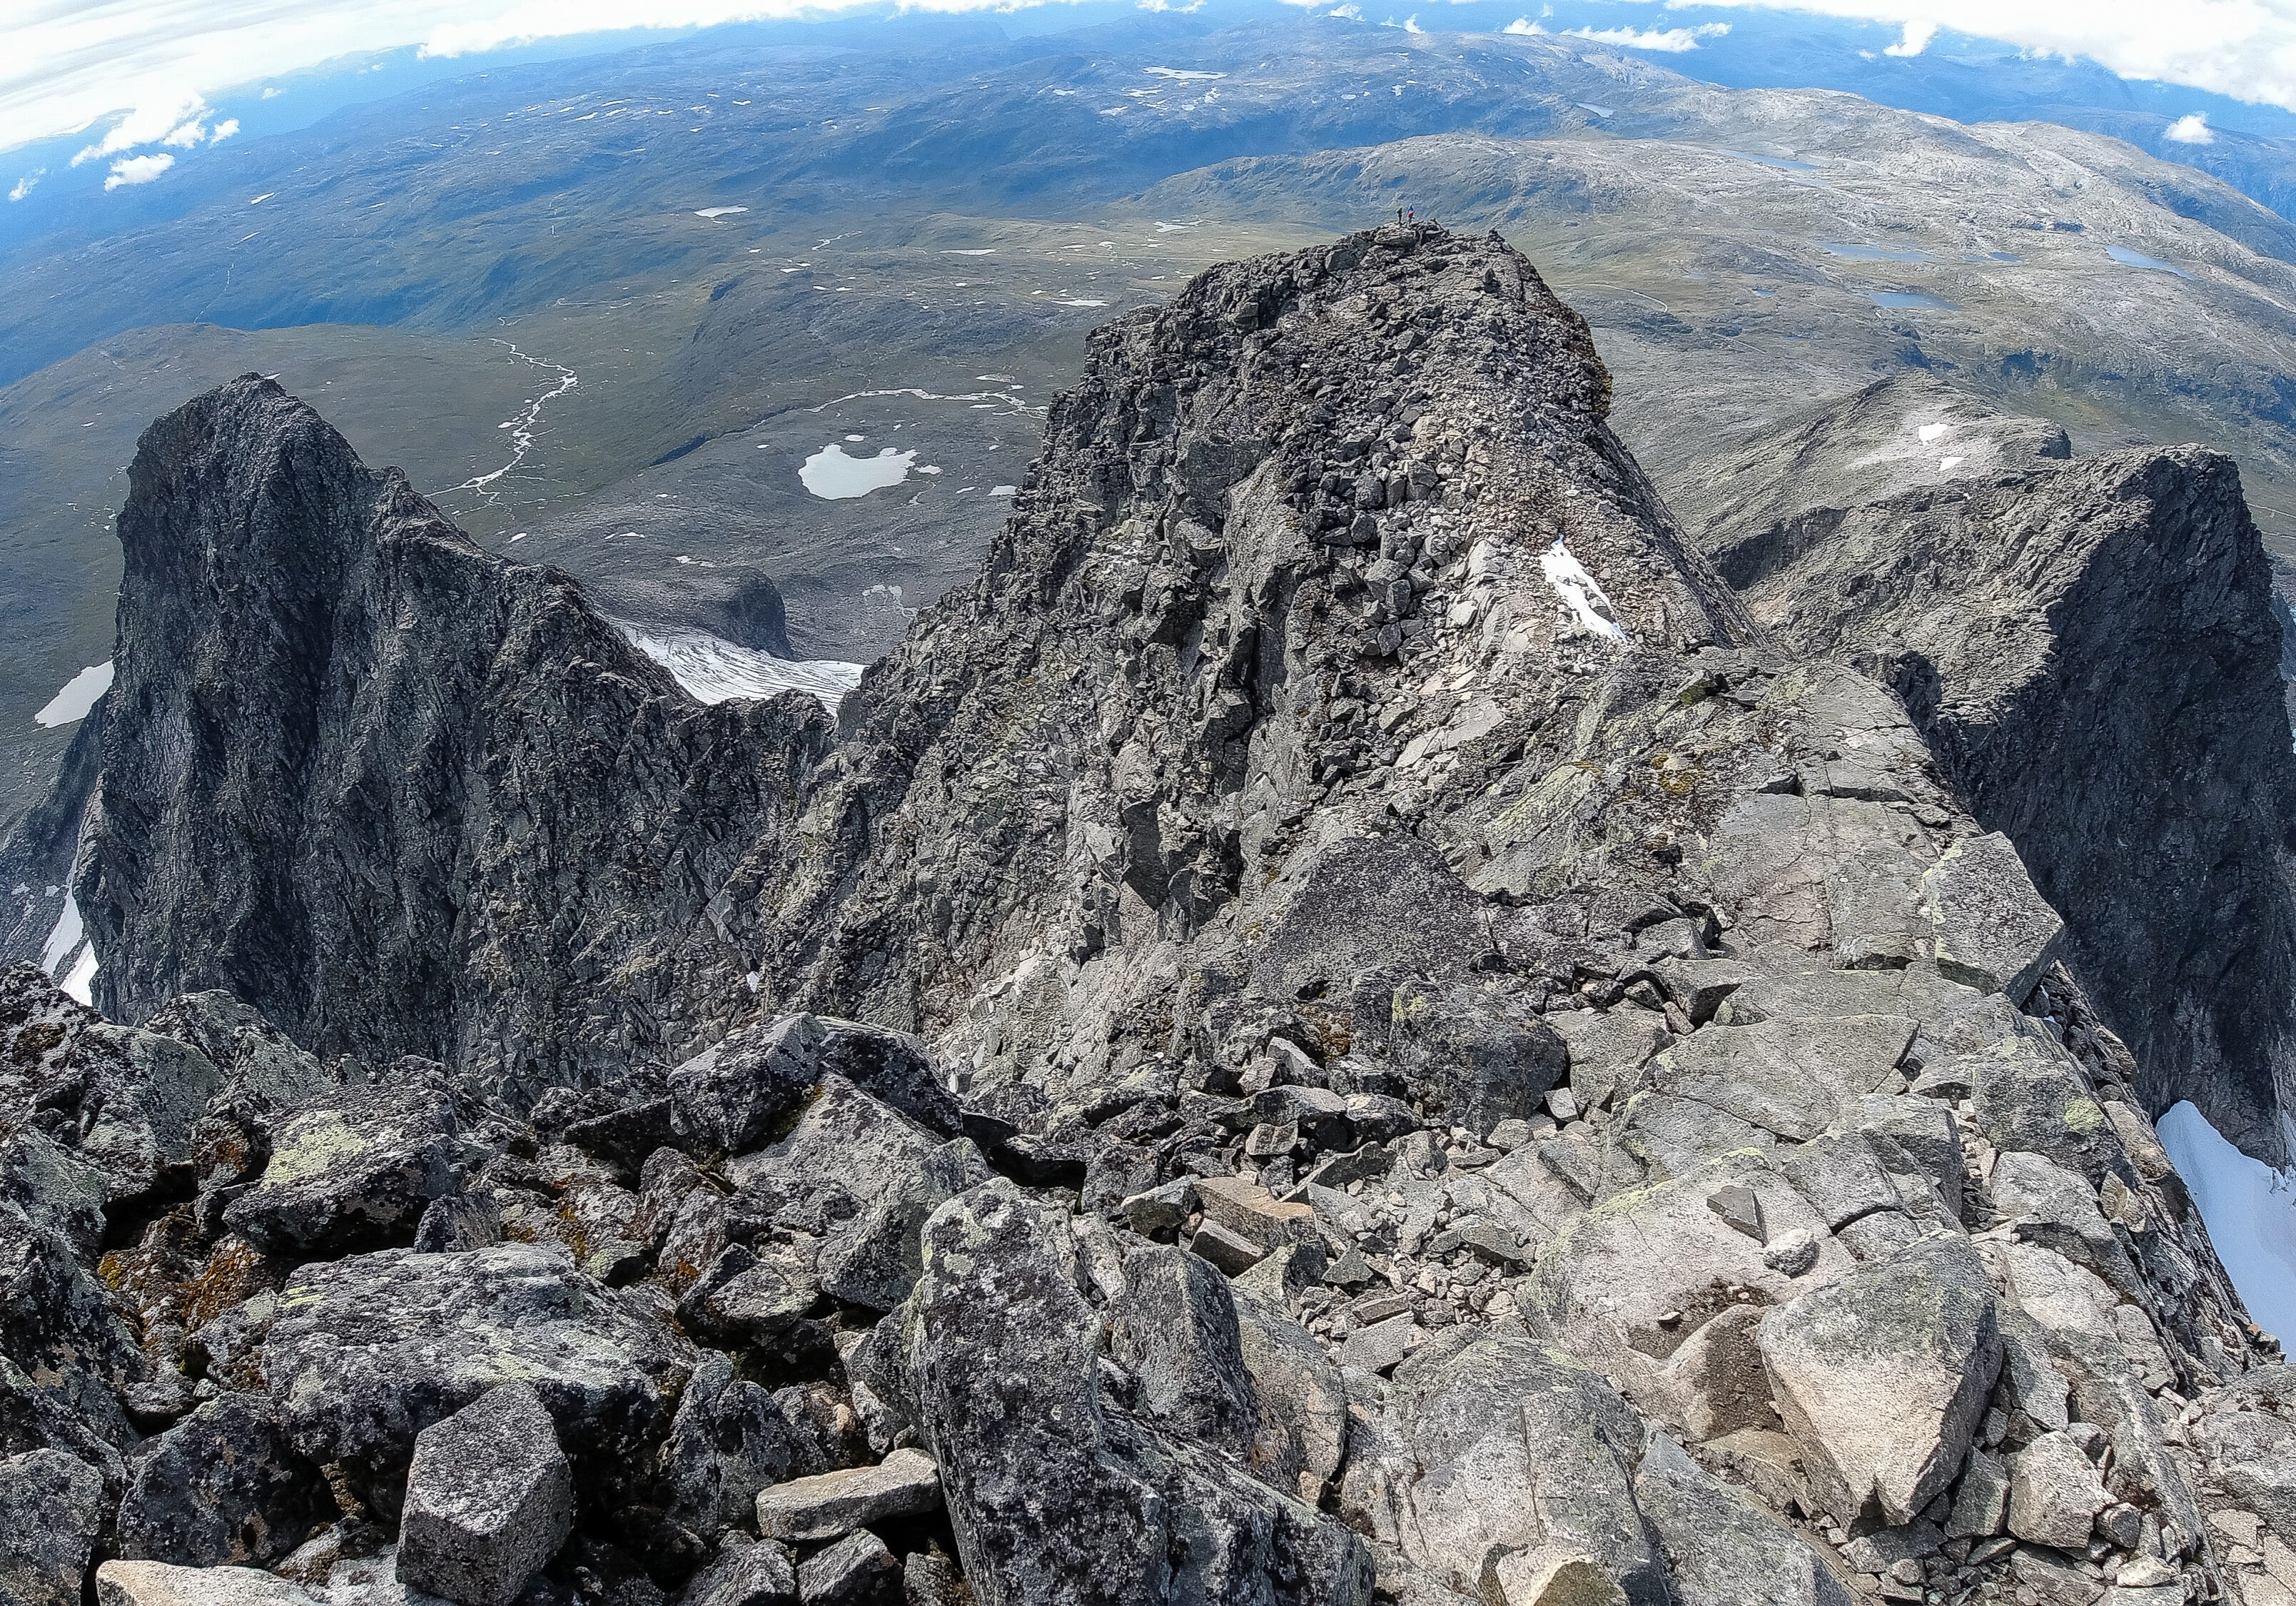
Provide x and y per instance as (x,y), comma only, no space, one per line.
(727,1441)
(50,1505)
(222,1487)
(1720,1550)
(489,1499)
(355,1166)
(1880,1376)
(1054,1496)
(368,1351)
(1476,1054)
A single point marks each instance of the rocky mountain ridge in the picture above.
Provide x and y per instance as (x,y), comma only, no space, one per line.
(1345,1023)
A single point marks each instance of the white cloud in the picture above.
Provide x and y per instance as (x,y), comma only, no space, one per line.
(1672,39)
(186,136)
(138,169)
(71,64)
(1914,40)
(270,94)
(163,117)
(2243,48)
(24,185)
(2191,129)
(224,130)
(1411,24)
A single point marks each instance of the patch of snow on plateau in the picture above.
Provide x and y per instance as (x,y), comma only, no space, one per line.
(78,696)
(830,474)
(721,211)
(1930,432)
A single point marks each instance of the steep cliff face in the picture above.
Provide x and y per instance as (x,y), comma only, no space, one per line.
(2091,651)
(394,793)
(1342,1023)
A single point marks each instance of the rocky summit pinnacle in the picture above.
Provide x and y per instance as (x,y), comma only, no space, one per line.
(1345,1022)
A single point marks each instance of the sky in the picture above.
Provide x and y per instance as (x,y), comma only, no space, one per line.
(137,76)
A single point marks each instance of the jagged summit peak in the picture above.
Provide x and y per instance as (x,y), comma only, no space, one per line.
(1406,391)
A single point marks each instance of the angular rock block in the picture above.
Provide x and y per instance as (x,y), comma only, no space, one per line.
(50,1504)
(747,1575)
(157,1583)
(1881,1378)
(1989,928)
(905,1484)
(222,1487)
(857,1571)
(489,1499)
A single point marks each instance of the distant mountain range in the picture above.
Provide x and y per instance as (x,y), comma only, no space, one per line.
(607,307)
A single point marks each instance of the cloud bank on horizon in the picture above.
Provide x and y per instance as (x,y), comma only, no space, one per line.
(146,67)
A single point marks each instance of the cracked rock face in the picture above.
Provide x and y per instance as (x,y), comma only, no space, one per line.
(1348,1021)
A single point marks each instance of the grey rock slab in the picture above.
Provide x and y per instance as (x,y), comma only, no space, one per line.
(1839,1174)
(162,1584)
(1789,1077)
(1174,1329)
(727,1441)
(2029,1095)
(745,1575)
(1881,1377)
(368,1351)
(55,1188)
(223,1487)
(1302,1426)
(1980,1501)
(730,1098)
(857,1571)
(1476,1054)
(1720,1550)
(1507,1447)
(1989,927)
(356,1167)
(489,1499)
(51,1506)
(2055,1493)
(1607,1049)
(1230,1251)
(1380,1346)
(2252,1455)
(2057,1209)
(905,1484)
(1052,1491)
(1253,1214)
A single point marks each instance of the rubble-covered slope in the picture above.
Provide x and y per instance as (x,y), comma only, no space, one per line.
(1340,1027)
(2091,649)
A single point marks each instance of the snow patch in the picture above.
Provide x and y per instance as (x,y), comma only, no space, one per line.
(2250,1212)
(830,474)
(721,211)
(72,703)
(64,939)
(1930,432)
(1580,593)
(715,670)
(79,986)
